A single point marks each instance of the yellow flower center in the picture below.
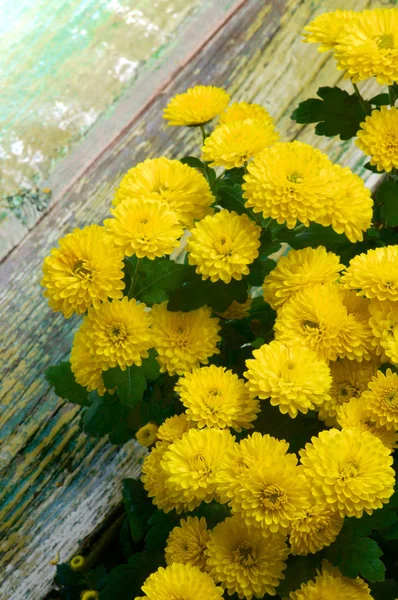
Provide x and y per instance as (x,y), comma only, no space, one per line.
(295,177)
(273,497)
(224,246)
(309,325)
(117,332)
(245,554)
(386,41)
(347,391)
(391,142)
(390,398)
(199,463)
(348,471)
(82,269)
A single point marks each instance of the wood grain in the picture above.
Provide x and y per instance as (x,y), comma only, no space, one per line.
(257,55)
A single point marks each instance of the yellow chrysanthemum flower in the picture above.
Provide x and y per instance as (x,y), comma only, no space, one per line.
(117,333)
(374,274)
(156,481)
(186,544)
(384,325)
(298,270)
(290,181)
(184,189)
(236,310)
(271,495)
(330,584)
(85,271)
(292,378)
(349,471)
(174,428)
(240,111)
(221,246)
(77,563)
(85,366)
(255,449)
(378,138)
(147,435)
(382,400)
(191,463)
(369,46)
(89,595)
(216,397)
(196,106)
(349,379)
(184,340)
(318,319)
(355,415)
(316,529)
(326,29)
(144,227)
(351,210)
(180,581)
(233,144)
(248,562)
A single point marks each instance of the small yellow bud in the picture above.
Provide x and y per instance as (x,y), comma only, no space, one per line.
(77,563)
(147,435)
(89,595)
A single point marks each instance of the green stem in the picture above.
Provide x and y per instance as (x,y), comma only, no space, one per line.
(133,280)
(299,228)
(361,100)
(390,95)
(204,134)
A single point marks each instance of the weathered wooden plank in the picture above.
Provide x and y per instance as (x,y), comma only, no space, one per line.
(259,57)
(80,60)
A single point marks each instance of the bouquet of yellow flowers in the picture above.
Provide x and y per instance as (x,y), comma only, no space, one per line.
(240,320)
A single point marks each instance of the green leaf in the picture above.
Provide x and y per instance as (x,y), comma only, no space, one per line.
(124,581)
(104,415)
(130,383)
(150,367)
(138,508)
(68,580)
(317,235)
(300,569)
(214,513)
(336,113)
(154,278)
(387,196)
(357,555)
(259,269)
(380,100)
(386,590)
(233,176)
(230,197)
(196,293)
(63,381)
(196,163)
(372,168)
(380,520)
(160,527)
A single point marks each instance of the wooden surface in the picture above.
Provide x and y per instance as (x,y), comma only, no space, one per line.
(63,63)
(59,486)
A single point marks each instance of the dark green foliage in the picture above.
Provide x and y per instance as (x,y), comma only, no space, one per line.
(138,508)
(154,278)
(124,581)
(106,415)
(387,198)
(196,163)
(300,569)
(63,381)
(130,384)
(230,197)
(160,525)
(386,590)
(196,293)
(336,113)
(357,556)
